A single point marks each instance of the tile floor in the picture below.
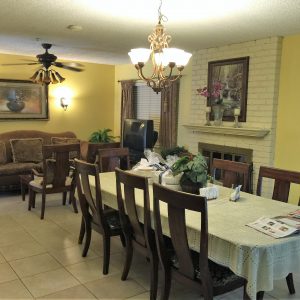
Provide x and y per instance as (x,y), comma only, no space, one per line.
(41,259)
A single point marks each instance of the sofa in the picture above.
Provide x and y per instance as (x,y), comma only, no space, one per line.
(13,161)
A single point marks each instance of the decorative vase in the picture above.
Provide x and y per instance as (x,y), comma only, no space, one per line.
(191,187)
(218,111)
(15,105)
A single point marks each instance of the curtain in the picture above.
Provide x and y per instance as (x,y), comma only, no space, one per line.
(169,116)
(127,105)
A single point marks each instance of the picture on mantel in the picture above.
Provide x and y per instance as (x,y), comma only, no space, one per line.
(232,74)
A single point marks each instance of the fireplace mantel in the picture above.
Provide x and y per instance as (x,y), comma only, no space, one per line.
(242,131)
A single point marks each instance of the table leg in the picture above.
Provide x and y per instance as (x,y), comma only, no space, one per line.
(22,190)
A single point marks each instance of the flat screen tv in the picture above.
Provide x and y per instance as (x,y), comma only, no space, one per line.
(138,135)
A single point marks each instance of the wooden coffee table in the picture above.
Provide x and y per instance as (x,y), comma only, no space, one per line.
(24,182)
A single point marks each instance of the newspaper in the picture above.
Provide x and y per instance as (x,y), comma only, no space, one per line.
(277,227)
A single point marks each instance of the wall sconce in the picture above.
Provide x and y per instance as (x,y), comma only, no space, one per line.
(65,102)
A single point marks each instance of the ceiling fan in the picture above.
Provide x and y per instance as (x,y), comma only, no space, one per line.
(46,75)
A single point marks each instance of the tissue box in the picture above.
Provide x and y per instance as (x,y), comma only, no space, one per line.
(211,192)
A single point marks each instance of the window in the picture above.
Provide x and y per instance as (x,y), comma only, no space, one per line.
(147,105)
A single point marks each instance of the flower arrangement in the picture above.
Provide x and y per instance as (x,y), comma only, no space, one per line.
(214,94)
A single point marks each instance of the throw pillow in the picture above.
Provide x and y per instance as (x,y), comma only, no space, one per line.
(63,140)
(27,150)
(2,153)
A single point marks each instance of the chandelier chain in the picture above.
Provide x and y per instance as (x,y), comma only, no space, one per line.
(161,16)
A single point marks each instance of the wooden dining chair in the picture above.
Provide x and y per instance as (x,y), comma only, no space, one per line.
(92,150)
(176,259)
(104,221)
(234,173)
(111,158)
(57,176)
(282,181)
(137,236)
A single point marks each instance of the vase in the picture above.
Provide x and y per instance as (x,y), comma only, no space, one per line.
(15,105)
(218,111)
(191,187)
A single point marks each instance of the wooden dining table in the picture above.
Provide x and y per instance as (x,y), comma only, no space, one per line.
(253,255)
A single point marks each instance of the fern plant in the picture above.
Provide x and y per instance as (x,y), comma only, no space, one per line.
(102,136)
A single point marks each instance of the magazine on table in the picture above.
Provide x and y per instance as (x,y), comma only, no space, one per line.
(278,227)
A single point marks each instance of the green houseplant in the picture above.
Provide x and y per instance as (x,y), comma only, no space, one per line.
(194,173)
(102,136)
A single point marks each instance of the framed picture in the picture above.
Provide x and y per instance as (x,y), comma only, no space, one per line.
(22,99)
(231,77)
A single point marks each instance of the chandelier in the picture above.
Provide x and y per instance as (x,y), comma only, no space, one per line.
(43,76)
(161,56)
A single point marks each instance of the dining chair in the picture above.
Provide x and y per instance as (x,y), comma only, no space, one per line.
(94,216)
(176,259)
(111,158)
(92,150)
(234,173)
(57,177)
(282,181)
(137,236)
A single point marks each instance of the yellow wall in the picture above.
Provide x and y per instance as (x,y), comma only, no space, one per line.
(125,72)
(92,102)
(288,132)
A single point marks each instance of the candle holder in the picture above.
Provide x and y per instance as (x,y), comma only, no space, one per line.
(236,122)
(207,112)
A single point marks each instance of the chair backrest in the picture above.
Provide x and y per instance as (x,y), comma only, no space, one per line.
(57,163)
(141,235)
(282,181)
(93,148)
(86,173)
(234,173)
(177,203)
(112,158)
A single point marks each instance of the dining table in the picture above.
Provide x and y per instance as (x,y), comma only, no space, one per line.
(253,255)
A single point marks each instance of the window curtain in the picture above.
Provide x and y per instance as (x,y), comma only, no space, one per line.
(127,103)
(169,116)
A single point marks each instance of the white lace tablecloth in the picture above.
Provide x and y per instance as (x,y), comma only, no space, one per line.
(251,254)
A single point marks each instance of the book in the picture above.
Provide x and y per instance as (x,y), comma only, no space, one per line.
(277,227)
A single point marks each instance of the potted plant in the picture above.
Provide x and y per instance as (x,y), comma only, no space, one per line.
(102,136)
(177,150)
(194,173)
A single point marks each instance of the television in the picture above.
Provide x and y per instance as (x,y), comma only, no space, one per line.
(138,135)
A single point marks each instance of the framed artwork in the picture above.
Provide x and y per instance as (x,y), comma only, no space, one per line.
(231,77)
(22,99)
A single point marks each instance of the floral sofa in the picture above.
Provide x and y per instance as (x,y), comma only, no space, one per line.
(21,151)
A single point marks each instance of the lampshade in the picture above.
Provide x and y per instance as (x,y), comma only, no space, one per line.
(139,55)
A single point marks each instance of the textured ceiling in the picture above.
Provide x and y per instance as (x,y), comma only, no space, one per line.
(111,28)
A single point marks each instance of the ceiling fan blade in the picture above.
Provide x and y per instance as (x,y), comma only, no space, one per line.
(61,65)
(72,64)
(21,64)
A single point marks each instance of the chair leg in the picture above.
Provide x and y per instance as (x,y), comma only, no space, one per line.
(128,259)
(43,205)
(64,200)
(22,191)
(260,295)
(30,198)
(122,238)
(106,252)
(165,291)
(82,231)
(88,231)
(290,283)
(153,277)
(72,200)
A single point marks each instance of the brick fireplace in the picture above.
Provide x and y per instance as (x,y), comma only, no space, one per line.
(259,132)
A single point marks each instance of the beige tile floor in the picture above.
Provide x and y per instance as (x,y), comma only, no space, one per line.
(41,259)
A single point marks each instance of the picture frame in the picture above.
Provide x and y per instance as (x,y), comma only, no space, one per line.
(23,99)
(233,76)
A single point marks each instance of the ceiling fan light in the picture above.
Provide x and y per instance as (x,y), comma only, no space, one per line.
(59,77)
(139,55)
(47,78)
(54,80)
(40,80)
(34,76)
